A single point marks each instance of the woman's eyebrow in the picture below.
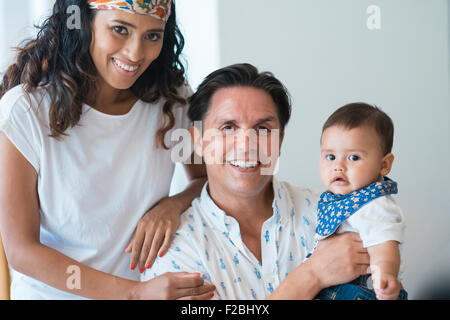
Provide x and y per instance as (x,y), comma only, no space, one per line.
(134,27)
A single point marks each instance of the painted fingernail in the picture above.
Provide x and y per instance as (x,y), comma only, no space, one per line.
(133,266)
(160,254)
(214,287)
(211,294)
(148,266)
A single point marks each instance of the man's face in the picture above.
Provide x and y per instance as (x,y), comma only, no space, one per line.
(241,141)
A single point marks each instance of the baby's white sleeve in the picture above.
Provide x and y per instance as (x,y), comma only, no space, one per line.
(379,221)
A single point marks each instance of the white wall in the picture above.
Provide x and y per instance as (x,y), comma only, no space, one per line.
(324,53)
(16,24)
(198,22)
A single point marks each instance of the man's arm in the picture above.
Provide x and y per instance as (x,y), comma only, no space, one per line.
(336,260)
(301,284)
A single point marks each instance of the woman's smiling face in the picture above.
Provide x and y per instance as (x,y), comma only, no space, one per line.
(124,45)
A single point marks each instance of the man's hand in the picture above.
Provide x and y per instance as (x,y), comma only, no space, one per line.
(339,259)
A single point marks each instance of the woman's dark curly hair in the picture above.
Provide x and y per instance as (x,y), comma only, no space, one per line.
(59,59)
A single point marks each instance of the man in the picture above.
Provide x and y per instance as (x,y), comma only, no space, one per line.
(248,233)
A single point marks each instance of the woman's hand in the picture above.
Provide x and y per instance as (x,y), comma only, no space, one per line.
(339,259)
(174,285)
(154,233)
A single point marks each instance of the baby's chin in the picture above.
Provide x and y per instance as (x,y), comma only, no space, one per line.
(340,190)
(345,189)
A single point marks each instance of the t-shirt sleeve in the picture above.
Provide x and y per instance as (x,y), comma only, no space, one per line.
(379,221)
(19,122)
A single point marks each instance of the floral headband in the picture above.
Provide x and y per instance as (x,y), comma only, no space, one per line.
(159,9)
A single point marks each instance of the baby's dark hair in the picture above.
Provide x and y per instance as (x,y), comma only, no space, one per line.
(357,114)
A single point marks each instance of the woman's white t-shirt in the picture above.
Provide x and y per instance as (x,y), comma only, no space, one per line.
(95,184)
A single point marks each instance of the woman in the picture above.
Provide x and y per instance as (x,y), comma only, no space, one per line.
(85,121)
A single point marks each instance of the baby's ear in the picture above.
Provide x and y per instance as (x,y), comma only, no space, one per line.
(386,164)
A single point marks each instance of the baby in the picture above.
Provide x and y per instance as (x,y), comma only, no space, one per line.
(355,158)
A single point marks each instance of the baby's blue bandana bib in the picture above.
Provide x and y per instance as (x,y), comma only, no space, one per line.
(335,209)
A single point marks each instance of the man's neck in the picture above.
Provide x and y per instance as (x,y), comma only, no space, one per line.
(250,211)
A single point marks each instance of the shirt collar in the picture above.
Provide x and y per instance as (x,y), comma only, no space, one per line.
(281,204)
(209,205)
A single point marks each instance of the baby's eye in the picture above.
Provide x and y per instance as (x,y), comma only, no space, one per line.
(330,157)
(353,157)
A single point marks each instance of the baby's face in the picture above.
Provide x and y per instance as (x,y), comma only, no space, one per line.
(350,159)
